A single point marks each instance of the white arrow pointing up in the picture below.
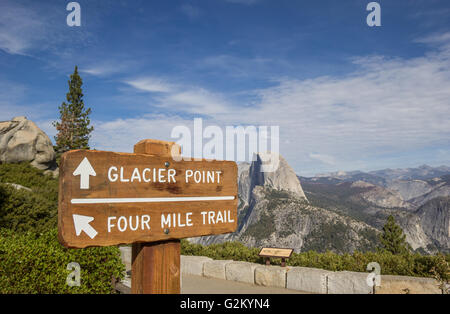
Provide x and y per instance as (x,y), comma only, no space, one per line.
(82,224)
(84,170)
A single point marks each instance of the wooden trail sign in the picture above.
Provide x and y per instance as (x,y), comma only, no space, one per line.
(276,252)
(267,253)
(108,198)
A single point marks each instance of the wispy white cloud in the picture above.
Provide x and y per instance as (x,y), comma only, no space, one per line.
(120,135)
(150,84)
(326,159)
(191,11)
(27,28)
(198,101)
(387,106)
(116,65)
(101,70)
(233,66)
(440,39)
(20,28)
(12,102)
(181,98)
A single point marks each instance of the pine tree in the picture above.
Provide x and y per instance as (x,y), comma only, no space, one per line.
(74,126)
(393,240)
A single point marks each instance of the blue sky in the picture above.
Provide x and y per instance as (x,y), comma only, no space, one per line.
(345,96)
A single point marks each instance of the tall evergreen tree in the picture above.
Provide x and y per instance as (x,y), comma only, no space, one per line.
(393,239)
(74,126)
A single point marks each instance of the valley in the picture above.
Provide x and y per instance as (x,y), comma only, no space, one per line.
(341,212)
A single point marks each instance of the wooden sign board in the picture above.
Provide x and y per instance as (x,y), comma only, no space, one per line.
(276,252)
(108,198)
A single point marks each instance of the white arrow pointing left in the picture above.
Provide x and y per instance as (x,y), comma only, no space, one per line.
(82,224)
(84,170)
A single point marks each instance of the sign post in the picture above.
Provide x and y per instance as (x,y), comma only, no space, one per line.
(155,267)
(146,199)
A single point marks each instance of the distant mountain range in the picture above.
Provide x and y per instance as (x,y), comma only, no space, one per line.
(417,197)
(408,188)
(423,172)
(341,211)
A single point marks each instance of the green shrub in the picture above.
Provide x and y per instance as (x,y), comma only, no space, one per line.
(30,177)
(22,210)
(31,258)
(228,250)
(31,263)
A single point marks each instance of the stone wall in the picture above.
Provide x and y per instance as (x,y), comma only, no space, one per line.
(297,278)
(306,279)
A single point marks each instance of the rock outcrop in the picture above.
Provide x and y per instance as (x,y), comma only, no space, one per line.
(252,179)
(281,220)
(441,190)
(21,140)
(412,228)
(18,187)
(428,228)
(382,197)
(282,179)
(274,211)
(409,189)
(435,221)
